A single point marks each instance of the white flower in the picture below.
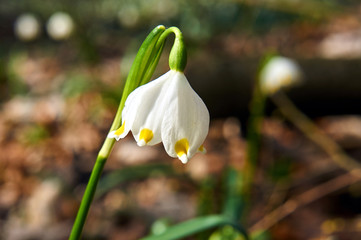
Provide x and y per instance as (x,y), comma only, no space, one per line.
(60,26)
(166,110)
(27,27)
(278,73)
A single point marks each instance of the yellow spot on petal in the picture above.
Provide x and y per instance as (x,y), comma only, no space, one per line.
(120,130)
(146,135)
(202,149)
(181,147)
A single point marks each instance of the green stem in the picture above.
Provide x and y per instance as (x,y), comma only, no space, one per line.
(246,176)
(178,53)
(239,181)
(142,69)
(302,122)
(165,34)
(87,198)
(253,137)
(91,187)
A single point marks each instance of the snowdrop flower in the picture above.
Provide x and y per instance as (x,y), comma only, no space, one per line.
(166,110)
(279,72)
(60,26)
(27,27)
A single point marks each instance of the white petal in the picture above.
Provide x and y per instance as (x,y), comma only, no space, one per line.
(145,110)
(186,117)
(113,135)
(279,72)
(129,113)
(184,159)
(141,143)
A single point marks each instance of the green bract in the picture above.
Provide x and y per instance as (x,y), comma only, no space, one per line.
(144,63)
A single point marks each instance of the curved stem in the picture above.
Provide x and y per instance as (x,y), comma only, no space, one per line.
(301,121)
(290,111)
(165,34)
(178,53)
(305,198)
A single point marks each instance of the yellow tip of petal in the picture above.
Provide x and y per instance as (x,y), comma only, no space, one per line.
(145,136)
(141,143)
(116,134)
(120,130)
(181,148)
(183,158)
(202,149)
(112,134)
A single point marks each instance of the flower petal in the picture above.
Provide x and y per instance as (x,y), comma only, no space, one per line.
(149,109)
(181,148)
(279,72)
(145,136)
(186,118)
(202,149)
(119,133)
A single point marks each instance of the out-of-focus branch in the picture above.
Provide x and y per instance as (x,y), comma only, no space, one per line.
(353,175)
(305,198)
(290,111)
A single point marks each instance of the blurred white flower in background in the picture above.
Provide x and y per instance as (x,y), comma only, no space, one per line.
(27,27)
(279,72)
(159,9)
(60,26)
(129,16)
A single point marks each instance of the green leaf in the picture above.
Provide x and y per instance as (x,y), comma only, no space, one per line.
(160,226)
(196,225)
(234,204)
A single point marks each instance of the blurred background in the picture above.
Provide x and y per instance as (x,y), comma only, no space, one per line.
(62,68)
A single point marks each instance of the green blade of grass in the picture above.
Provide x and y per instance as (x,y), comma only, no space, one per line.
(196,225)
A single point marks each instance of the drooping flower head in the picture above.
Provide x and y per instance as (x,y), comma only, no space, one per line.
(279,72)
(167,110)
